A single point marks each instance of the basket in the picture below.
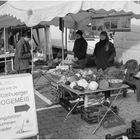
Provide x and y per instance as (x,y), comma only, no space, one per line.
(115,83)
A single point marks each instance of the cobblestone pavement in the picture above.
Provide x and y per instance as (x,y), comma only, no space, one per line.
(52,126)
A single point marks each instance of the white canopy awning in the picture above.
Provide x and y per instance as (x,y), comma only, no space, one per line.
(75,13)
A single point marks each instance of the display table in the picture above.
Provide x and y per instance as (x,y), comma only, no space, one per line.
(54,81)
(67,90)
(86,93)
(8,55)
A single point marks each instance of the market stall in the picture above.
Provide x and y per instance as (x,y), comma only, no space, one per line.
(82,90)
(75,14)
(76,86)
(32,16)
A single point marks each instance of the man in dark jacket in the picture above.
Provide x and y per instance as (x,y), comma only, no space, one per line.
(80,49)
(23,54)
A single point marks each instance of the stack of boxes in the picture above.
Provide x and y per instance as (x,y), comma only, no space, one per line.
(94,114)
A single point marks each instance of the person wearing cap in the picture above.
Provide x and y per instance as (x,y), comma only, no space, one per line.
(80,49)
(23,54)
(104,52)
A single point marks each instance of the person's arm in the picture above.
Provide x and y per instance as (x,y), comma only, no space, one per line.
(94,53)
(83,50)
(111,58)
(75,49)
(112,53)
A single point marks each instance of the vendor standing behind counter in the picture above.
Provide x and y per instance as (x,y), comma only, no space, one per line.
(104,52)
(104,55)
(80,50)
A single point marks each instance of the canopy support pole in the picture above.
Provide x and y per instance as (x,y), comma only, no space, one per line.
(37,31)
(32,70)
(45,49)
(48,45)
(5,51)
(66,38)
(62,47)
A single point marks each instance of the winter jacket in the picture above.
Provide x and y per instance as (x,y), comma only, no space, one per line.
(102,53)
(22,55)
(80,48)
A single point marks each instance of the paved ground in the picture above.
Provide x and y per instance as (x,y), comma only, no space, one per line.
(51,122)
(52,126)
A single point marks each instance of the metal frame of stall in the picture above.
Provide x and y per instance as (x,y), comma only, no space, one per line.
(61,27)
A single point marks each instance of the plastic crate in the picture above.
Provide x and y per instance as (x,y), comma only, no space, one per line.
(94,114)
(92,120)
(131,133)
(118,136)
(91,114)
(134,131)
(68,106)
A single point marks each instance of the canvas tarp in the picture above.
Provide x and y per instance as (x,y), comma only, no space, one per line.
(75,13)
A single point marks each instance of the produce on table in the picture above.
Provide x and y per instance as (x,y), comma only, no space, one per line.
(77,78)
(112,72)
(68,73)
(71,79)
(115,82)
(94,77)
(78,75)
(89,72)
(80,88)
(100,75)
(73,84)
(63,79)
(103,84)
(67,82)
(83,83)
(93,85)
(88,79)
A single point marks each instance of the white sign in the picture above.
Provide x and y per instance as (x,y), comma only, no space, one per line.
(18,117)
(116,23)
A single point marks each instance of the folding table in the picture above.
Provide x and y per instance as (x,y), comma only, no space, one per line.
(89,92)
